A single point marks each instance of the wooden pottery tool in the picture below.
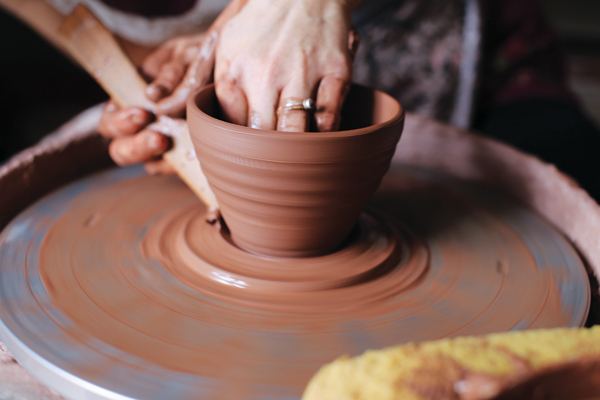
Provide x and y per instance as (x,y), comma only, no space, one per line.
(95,48)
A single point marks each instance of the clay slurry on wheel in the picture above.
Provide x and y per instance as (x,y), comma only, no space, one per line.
(120,291)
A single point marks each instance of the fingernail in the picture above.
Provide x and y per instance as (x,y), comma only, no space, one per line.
(152,91)
(157,142)
(152,141)
(255,120)
(156,91)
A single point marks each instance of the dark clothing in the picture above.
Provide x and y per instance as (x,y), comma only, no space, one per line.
(555,131)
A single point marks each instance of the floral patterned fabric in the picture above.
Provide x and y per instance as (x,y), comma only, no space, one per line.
(412,50)
(522,56)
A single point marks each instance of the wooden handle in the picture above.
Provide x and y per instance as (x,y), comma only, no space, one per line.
(40,16)
(95,48)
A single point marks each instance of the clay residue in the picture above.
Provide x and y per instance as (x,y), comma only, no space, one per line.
(429,259)
(380,260)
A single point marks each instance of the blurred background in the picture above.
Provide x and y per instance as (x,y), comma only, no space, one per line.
(40,89)
(578,25)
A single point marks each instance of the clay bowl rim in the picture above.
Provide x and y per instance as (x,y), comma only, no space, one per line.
(218,123)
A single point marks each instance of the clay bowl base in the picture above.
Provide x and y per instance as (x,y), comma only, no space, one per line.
(115,286)
(295,194)
(380,259)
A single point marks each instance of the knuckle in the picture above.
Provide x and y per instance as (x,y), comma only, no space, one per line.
(340,67)
(226,85)
(107,127)
(224,74)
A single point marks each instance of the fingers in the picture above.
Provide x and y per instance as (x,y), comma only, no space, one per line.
(258,111)
(145,145)
(159,167)
(116,122)
(153,63)
(253,107)
(261,110)
(293,120)
(330,99)
(232,100)
(198,73)
(131,143)
(168,78)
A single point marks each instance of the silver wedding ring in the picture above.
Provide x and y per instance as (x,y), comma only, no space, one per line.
(304,105)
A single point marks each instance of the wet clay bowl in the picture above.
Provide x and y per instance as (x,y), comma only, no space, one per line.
(295,194)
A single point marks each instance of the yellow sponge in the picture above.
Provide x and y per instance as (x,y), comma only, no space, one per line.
(422,371)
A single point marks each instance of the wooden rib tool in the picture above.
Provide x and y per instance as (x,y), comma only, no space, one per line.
(96,49)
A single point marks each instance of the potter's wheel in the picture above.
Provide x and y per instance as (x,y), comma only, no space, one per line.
(104,293)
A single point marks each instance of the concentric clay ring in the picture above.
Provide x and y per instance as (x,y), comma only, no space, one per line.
(373,249)
(116,287)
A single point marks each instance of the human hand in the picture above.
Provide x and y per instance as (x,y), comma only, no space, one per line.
(184,64)
(275,52)
(176,69)
(132,141)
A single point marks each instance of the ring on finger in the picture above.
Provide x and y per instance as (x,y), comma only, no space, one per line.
(304,105)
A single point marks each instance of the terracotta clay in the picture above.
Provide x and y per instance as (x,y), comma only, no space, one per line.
(295,194)
(113,281)
(426,145)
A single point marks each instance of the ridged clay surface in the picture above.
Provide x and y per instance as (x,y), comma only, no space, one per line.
(295,194)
